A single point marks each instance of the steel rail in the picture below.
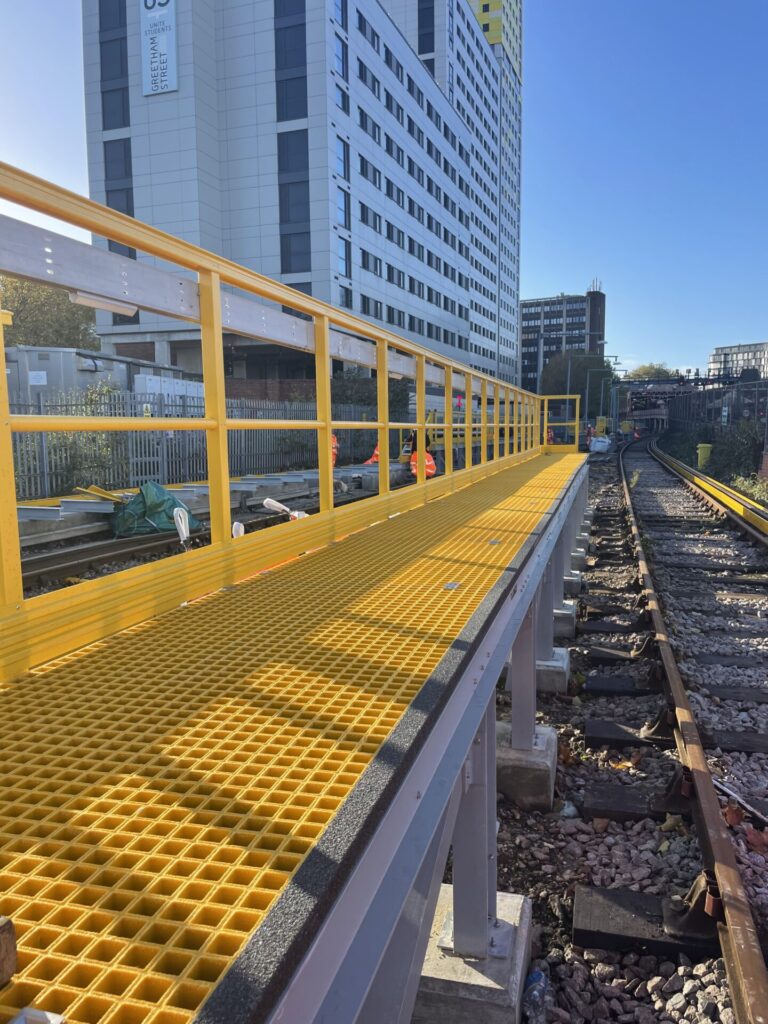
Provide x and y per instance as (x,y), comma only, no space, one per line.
(748,515)
(744,961)
(46,566)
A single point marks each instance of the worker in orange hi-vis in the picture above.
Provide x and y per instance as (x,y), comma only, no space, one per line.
(334,449)
(429,463)
(374,458)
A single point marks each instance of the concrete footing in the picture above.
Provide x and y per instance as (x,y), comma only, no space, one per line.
(565,620)
(454,990)
(572,583)
(579,559)
(552,675)
(527,777)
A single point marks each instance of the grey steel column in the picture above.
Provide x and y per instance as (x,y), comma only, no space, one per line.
(392,994)
(490,777)
(471,848)
(560,566)
(521,684)
(545,617)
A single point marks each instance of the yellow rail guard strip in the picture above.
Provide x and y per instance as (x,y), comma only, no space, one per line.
(750,511)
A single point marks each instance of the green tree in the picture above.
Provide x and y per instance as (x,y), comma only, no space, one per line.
(43,315)
(557,380)
(650,371)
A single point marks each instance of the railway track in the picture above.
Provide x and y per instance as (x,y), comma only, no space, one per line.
(705,591)
(650,884)
(52,567)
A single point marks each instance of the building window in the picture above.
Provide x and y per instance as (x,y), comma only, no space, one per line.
(345,297)
(291,98)
(290,48)
(117,160)
(340,12)
(393,107)
(426,26)
(367,30)
(120,199)
(294,202)
(292,152)
(370,218)
(342,98)
(114,59)
(369,172)
(295,253)
(341,63)
(395,316)
(343,208)
(342,158)
(370,307)
(115,111)
(111,14)
(368,125)
(344,251)
(368,78)
(393,64)
(289,9)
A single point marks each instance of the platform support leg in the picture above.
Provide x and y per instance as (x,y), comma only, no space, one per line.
(564,608)
(578,550)
(526,753)
(478,955)
(552,663)
(474,859)
(392,994)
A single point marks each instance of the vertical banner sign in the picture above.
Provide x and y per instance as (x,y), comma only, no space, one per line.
(158,47)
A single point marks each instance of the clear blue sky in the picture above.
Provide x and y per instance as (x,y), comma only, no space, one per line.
(645,156)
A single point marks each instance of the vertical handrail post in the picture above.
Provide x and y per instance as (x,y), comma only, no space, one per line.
(421,416)
(540,426)
(215,405)
(578,420)
(546,421)
(448,421)
(496,421)
(468,427)
(11,590)
(324,417)
(483,421)
(382,413)
(507,435)
(515,421)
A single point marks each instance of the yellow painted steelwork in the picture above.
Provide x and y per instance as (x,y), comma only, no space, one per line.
(571,426)
(752,512)
(51,624)
(160,787)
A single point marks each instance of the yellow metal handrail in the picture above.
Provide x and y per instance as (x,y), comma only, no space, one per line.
(48,625)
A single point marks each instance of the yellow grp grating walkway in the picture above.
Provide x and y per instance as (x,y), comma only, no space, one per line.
(161,786)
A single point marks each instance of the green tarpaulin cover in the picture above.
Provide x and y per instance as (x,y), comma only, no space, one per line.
(149,511)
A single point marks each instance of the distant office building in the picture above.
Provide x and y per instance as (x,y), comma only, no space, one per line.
(732,359)
(558,325)
(307,140)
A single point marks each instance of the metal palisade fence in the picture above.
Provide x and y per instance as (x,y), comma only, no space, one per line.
(52,464)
